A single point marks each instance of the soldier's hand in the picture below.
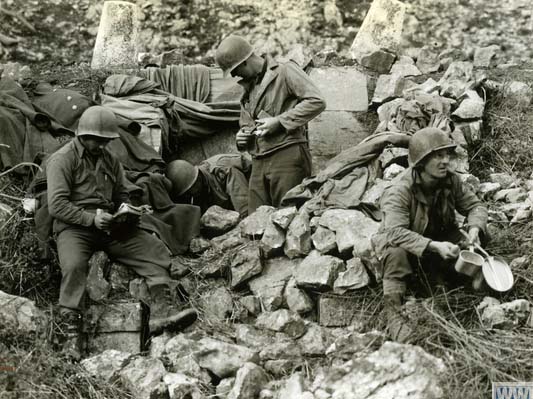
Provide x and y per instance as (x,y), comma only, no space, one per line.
(102,220)
(473,236)
(242,139)
(445,249)
(267,126)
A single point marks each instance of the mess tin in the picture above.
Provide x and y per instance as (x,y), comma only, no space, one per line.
(469,262)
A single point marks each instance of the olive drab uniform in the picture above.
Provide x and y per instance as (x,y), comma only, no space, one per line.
(412,219)
(281,160)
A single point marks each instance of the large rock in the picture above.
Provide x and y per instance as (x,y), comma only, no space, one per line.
(298,238)
(106,365)
(117,41)
(405,66)
(427,61)
(182,386)
(351,342)
(124,341)
(177,350)
(283,217)
(19,315)
(248,382)
(518,92)
(294,387)
(255,224)
(296,299)
(324,240)
(484,55)
(343,88)
(282,320)
(353,230)
(221,358)
(355,276)
(281,349)
(268,287)
(229,240)
(97,286)
(119,316)
(390,86)
(381,30)
(318,272)
(471,107)
(216,301)
(246,264)
(505,180)
(257,338)
(273,240)
(395,371)
(143,377)
(217,221)
(315,341)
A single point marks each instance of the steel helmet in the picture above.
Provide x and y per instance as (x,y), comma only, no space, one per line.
(231,52)
(182,174)
(426,141)
(98,121)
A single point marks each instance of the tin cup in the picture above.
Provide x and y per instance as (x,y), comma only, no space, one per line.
(469,262)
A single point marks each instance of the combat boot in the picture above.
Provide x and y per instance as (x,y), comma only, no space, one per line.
(167,312)
(398,328)
(68,332)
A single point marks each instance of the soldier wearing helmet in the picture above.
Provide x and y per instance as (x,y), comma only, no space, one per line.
(219,180)
(86,184)
(419,224)
(279,99)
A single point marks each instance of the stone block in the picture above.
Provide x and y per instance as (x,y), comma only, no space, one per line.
(315,341)
(353,278)
(324,240)
(123,341)
(105,365)
(273,240)
(20,315)
(181,386)
(336,311)
(343,88)
(298,237)
(484,55)
(283,217)
(217,221)
(251,303)
(97,286)
(117,41)
(405,66)
(269,286)
(216,302)
(249,381)
(255,224)
(391,86)
(143,378)
(296,299)
(381,29)
(318,272)
(471,107)
(118,316)
(284,321)
(331,132)
(246,264)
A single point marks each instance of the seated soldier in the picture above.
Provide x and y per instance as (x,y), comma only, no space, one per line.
(86,185)
(220,180)
(419,223)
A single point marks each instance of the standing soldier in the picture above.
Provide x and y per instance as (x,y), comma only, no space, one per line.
(279,99)
(86,185)
(419,222)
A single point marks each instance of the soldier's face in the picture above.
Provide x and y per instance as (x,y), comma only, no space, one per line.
(437,164)
(94,144)
(244,71)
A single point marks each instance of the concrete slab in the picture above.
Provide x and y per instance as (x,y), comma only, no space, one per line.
(123,341)
(332,132)
(343,88)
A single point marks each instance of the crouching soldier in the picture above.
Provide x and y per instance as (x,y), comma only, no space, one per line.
(220,180)
(419,224)
(86,185)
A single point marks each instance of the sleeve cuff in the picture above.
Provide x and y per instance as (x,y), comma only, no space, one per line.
(87,218)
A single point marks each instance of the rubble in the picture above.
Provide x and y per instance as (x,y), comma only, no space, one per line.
(246,264)
(318,272)
(324,240)
(503,179)
(105,365)
(217,302)
(471,107)
(298,238)
(20,315)
(283,217)
(97,286)
(182,386)
(355,276)
(427,60)
(248,382)
(394,371)
(217,221)
(254,225)
(484,55)
(143,377)
(273,240)
(296,299)
(282,320)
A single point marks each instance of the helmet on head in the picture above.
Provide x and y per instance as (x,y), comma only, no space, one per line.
(98,121)
(231,52)
(182,174)
(426,141)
